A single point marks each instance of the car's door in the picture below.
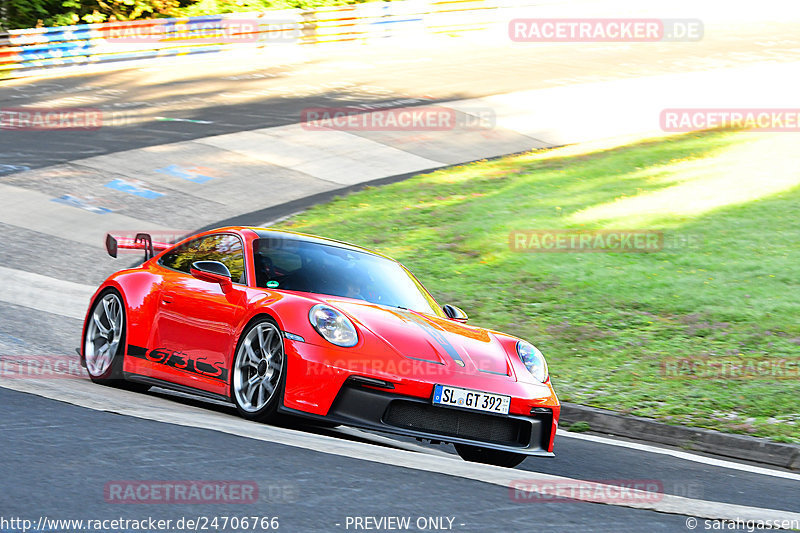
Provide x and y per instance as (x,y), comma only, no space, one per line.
(196,319)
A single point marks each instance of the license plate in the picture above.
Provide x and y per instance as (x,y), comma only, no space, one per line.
(471,399)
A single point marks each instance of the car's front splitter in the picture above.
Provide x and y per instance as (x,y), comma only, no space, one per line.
(366,407)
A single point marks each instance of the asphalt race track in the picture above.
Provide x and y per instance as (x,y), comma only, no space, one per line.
(235,95)
(64,440)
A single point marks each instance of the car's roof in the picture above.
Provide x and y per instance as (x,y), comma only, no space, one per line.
(266,233)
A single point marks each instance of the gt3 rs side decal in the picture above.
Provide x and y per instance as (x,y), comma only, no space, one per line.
(181,361)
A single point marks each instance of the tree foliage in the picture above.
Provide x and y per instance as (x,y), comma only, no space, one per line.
(27,13)
(30,13)
(104,10)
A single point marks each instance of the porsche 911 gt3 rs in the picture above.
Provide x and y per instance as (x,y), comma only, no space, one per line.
(282,323)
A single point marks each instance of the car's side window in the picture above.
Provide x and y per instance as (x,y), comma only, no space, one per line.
(180,258)
(225,248)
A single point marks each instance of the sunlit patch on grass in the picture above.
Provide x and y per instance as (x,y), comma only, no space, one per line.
(766,165)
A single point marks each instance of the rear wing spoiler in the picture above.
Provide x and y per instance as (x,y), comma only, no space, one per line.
(142,241)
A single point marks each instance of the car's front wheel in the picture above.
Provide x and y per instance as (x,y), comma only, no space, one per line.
(476,454)
(258,371)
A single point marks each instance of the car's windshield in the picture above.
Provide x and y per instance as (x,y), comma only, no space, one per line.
(297,265)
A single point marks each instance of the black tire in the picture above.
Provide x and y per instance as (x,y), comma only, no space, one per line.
(106,369)
(476,454)
(255,389)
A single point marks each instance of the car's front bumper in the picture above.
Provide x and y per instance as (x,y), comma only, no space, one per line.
(367,407)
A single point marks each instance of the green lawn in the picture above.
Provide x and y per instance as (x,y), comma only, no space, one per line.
(724,287)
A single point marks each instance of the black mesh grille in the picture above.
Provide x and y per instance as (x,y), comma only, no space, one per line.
(457,423)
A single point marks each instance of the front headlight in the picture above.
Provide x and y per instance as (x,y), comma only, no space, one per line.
(333,325)
(533,360)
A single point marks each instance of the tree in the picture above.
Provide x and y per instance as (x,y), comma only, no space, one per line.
(27,13)
(92,11)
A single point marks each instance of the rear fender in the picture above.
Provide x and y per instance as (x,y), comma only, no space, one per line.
(140,292)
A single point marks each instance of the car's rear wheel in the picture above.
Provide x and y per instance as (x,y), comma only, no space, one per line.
(258,371)
(476,454)
(104,342)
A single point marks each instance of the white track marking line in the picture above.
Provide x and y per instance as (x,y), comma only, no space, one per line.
(44,293)
(681,455)
(85,394)
(343,430)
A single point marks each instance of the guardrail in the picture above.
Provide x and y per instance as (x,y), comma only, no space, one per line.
(27,52)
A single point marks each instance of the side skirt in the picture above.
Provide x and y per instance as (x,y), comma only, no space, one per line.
(155,382)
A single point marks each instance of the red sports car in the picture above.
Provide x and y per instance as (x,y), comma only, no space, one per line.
(284,323)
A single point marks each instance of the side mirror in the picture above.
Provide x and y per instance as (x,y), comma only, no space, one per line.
(213,272)
(455,313)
